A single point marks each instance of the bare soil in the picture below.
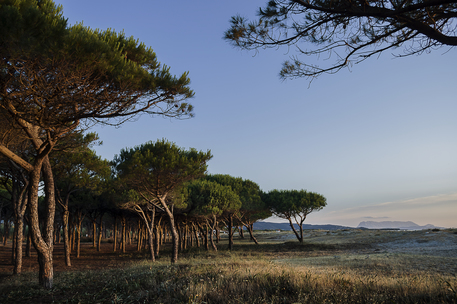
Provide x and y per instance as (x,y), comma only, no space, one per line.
(89,258)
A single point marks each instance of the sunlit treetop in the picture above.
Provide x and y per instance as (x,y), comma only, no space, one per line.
(56,76)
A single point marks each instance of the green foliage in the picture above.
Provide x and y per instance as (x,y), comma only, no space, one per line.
(291,203)
(78,73)
(77,166)
(211,198)
(156,169)
(248,191)
(31,26)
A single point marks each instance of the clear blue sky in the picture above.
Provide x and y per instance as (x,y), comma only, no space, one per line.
(378,141)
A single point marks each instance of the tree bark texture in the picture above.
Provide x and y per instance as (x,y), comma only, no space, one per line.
(43,240)
(211,236)
(231,231)
(251,233)
(99,236)
(124,232)
(66,239)
(19,231)
(115,234)
(19,198)
(294,230)
(94,233)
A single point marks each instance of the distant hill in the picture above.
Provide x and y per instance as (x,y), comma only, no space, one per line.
(394,225)
(286,226)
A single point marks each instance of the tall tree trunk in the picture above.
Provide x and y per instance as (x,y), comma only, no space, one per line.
(72,236)
(57,233)
(124,224)
(19,231)
(174,239)
(19,198)
(94,233)
(186,237)
(6,231)
(129,233)
(140,236)
(157,238)
(231,231)
(241,232)
(211,236)
(151,234)
(179,230)
(77,232)
(43,240)
(54,236)
(191,235)
(99,238)
(66,240)
(173,231)
(13,246)
(115,234)
(205,236)
(197,239)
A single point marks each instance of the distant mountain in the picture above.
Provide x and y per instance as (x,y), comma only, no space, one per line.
(394,225)
(286,226)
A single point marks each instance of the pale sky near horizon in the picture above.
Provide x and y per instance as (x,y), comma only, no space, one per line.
(378,140)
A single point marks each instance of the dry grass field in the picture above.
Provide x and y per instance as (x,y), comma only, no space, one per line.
(343,266)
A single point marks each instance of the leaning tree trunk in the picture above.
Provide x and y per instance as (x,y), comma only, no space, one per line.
(173,231)
(251,233)
(294,230)
(43,240)
(174,238)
